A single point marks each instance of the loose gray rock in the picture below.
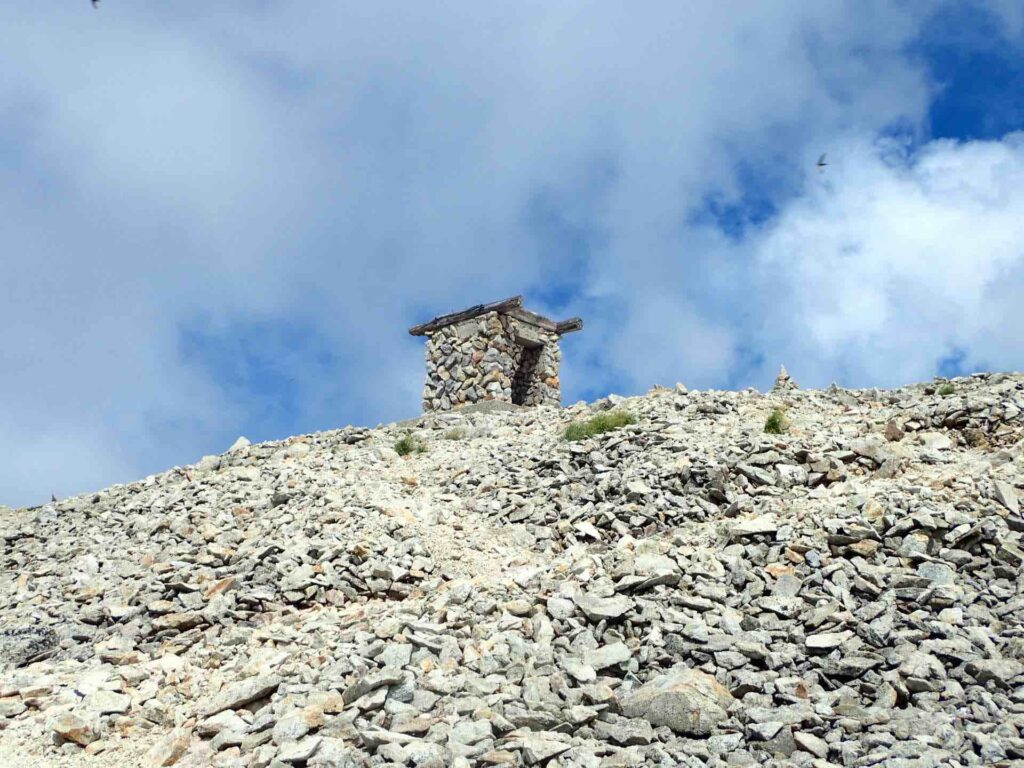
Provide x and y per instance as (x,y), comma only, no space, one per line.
(686,590)
(21,645)
(598,608)
(238,694)
(1006,495)
(70,727)
(687,701)
(607,656)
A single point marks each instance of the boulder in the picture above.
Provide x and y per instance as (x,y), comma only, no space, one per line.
(688,701)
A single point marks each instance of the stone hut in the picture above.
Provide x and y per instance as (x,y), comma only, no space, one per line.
(497,351)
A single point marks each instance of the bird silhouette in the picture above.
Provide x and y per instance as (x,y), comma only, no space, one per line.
(821,163)
(53,497)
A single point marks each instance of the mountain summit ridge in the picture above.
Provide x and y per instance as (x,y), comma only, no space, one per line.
(685,589)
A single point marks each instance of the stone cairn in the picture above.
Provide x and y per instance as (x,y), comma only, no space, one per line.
(497,351)
(784,382)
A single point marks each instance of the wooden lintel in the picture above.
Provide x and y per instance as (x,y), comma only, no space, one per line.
(532,318)
(566,326)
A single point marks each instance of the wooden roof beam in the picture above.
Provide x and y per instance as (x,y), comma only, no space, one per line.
(513,307)
(466,314)
(570,325)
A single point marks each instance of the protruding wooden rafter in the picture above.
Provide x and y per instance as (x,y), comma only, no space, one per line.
(570,325)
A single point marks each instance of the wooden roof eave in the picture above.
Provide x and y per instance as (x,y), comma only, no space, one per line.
(513,307)
(467,314)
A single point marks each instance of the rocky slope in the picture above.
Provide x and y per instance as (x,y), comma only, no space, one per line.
(687,590)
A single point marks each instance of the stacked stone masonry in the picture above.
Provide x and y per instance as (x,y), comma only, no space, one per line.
(491,357)
(498,351)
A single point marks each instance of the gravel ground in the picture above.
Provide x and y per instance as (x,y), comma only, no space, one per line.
(683,590)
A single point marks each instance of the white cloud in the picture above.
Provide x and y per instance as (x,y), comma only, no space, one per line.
(346,169)
(896,259)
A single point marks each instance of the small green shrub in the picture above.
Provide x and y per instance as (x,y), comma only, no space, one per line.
(946,389)
(455,433)
(408,444)
(603,422)
(776,423)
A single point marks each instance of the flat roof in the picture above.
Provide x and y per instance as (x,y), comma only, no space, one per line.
(513,307)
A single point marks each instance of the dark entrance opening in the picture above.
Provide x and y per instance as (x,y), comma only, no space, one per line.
(522,379)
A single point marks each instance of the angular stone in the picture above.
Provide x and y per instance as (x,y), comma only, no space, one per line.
(603,608)
(637,489)
(335,753)
(396,655)
(893,434)
(756,475)
(607,656)
(1002,671)
(935,441)
(538,748)
(808,742)
(169,749)
(937,573)
(241,692)
(559,607)
(470,732)
(70,727)
(21,644)
(105,702)
(755,526)
(827,641)
(299,751)
(688,701)
(1006,495)
(222,721)
(872,447)
(579,671)
(372,682)
(11,707)
(291,727)
(239,444)
(849,666)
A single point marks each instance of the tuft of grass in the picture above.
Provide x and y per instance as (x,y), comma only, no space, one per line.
(408,444)
(946,389)
(602,422)
(776,423)
(455,433)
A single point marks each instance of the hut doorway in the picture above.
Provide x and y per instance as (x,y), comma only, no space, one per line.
(525,373)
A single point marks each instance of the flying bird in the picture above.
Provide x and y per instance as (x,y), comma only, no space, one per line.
(821,163)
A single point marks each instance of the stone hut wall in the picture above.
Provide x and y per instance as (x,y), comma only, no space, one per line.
(478,360)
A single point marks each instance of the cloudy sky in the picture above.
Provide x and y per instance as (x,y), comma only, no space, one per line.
(220,218)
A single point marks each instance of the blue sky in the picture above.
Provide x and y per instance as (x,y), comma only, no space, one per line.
(220,219)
